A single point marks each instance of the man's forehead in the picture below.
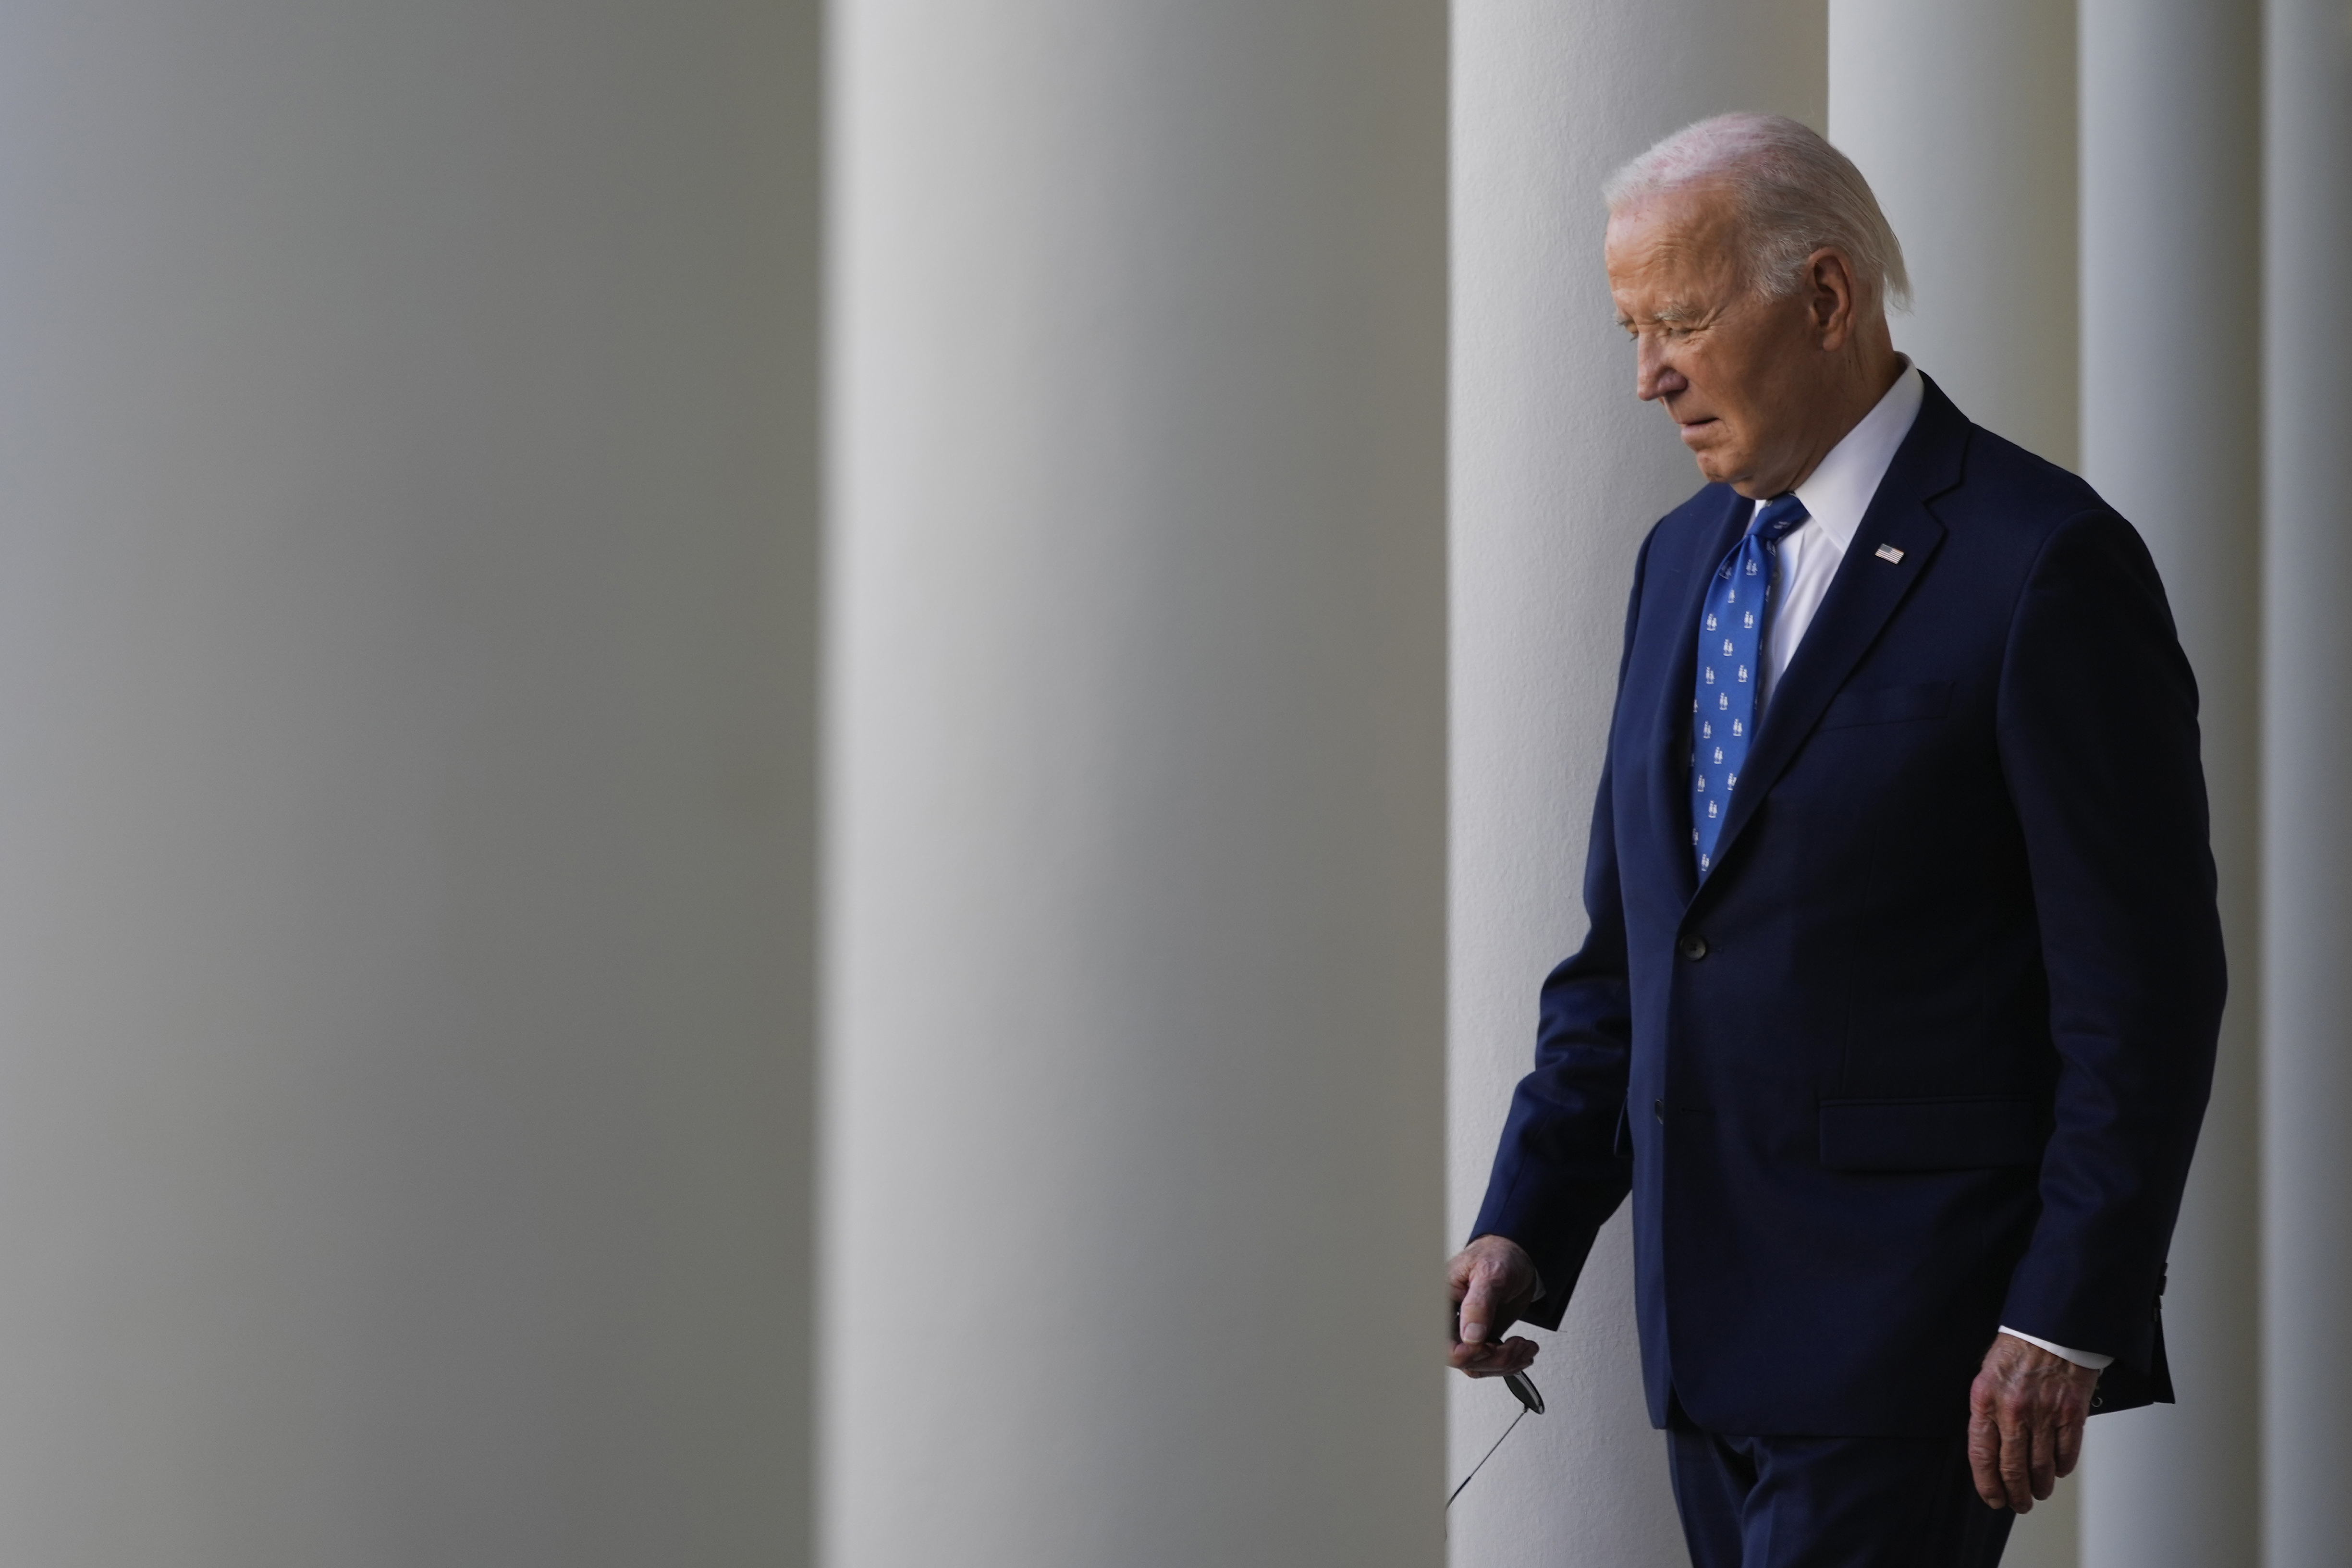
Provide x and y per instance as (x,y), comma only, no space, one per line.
(1669,256)
(1705,216)
(1678,283)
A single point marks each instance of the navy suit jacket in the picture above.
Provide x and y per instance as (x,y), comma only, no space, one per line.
(1926,1052)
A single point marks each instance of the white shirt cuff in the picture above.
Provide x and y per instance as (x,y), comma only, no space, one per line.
(2091,1359)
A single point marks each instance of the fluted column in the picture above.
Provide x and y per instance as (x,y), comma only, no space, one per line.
(2171,437)
(406,785)
(1557,471)
(2306,752)
(1962,117)
(1135,786)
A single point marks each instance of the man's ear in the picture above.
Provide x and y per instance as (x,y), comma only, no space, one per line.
(1829,280)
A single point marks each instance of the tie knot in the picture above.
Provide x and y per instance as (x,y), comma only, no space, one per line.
(1778,517)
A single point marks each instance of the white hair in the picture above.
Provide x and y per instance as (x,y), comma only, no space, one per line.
(1795,194)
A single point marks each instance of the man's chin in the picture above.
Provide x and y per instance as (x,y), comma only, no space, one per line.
(1717,466)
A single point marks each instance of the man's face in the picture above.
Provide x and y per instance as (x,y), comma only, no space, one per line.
(1735,369)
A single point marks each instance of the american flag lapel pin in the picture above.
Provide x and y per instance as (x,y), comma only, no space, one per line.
(1888,552)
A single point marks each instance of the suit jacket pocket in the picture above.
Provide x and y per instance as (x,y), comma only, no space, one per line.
(1887,705)
(1929,1134)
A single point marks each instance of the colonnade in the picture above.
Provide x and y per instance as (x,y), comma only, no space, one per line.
(412,1139)
(2126,229)
(2211,141)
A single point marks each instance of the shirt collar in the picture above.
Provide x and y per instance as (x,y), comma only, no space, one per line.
(1839,491)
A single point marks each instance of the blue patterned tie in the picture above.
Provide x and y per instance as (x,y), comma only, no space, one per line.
(1731,627)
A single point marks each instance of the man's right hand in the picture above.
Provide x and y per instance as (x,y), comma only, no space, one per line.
(1492,1281)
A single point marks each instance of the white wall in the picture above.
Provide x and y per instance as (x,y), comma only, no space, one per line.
(1557,473)
(404,427)
(1136,787)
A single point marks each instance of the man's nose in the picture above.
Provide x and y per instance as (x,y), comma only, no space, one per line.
(1653,375)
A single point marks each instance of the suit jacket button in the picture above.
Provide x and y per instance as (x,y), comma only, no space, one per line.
(1694,947)
(1658,1109)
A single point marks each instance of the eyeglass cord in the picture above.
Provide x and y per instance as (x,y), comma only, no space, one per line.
(1486,1456)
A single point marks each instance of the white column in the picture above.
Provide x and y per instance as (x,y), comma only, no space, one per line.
(405,674)
(1962,117)
(1136,789)
(2171,437)
(2308,855)
(1557,471)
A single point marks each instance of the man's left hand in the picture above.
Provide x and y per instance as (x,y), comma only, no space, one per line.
(2026,1411)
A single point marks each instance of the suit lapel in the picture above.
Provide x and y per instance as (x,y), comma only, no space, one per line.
(1865,592)
(1668,745)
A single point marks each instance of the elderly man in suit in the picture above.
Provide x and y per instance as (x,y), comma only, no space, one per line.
(1897,1008)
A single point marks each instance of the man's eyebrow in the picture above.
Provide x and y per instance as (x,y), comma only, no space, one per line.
(1673,313)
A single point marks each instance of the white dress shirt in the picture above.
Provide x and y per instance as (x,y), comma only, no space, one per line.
(1836,496)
